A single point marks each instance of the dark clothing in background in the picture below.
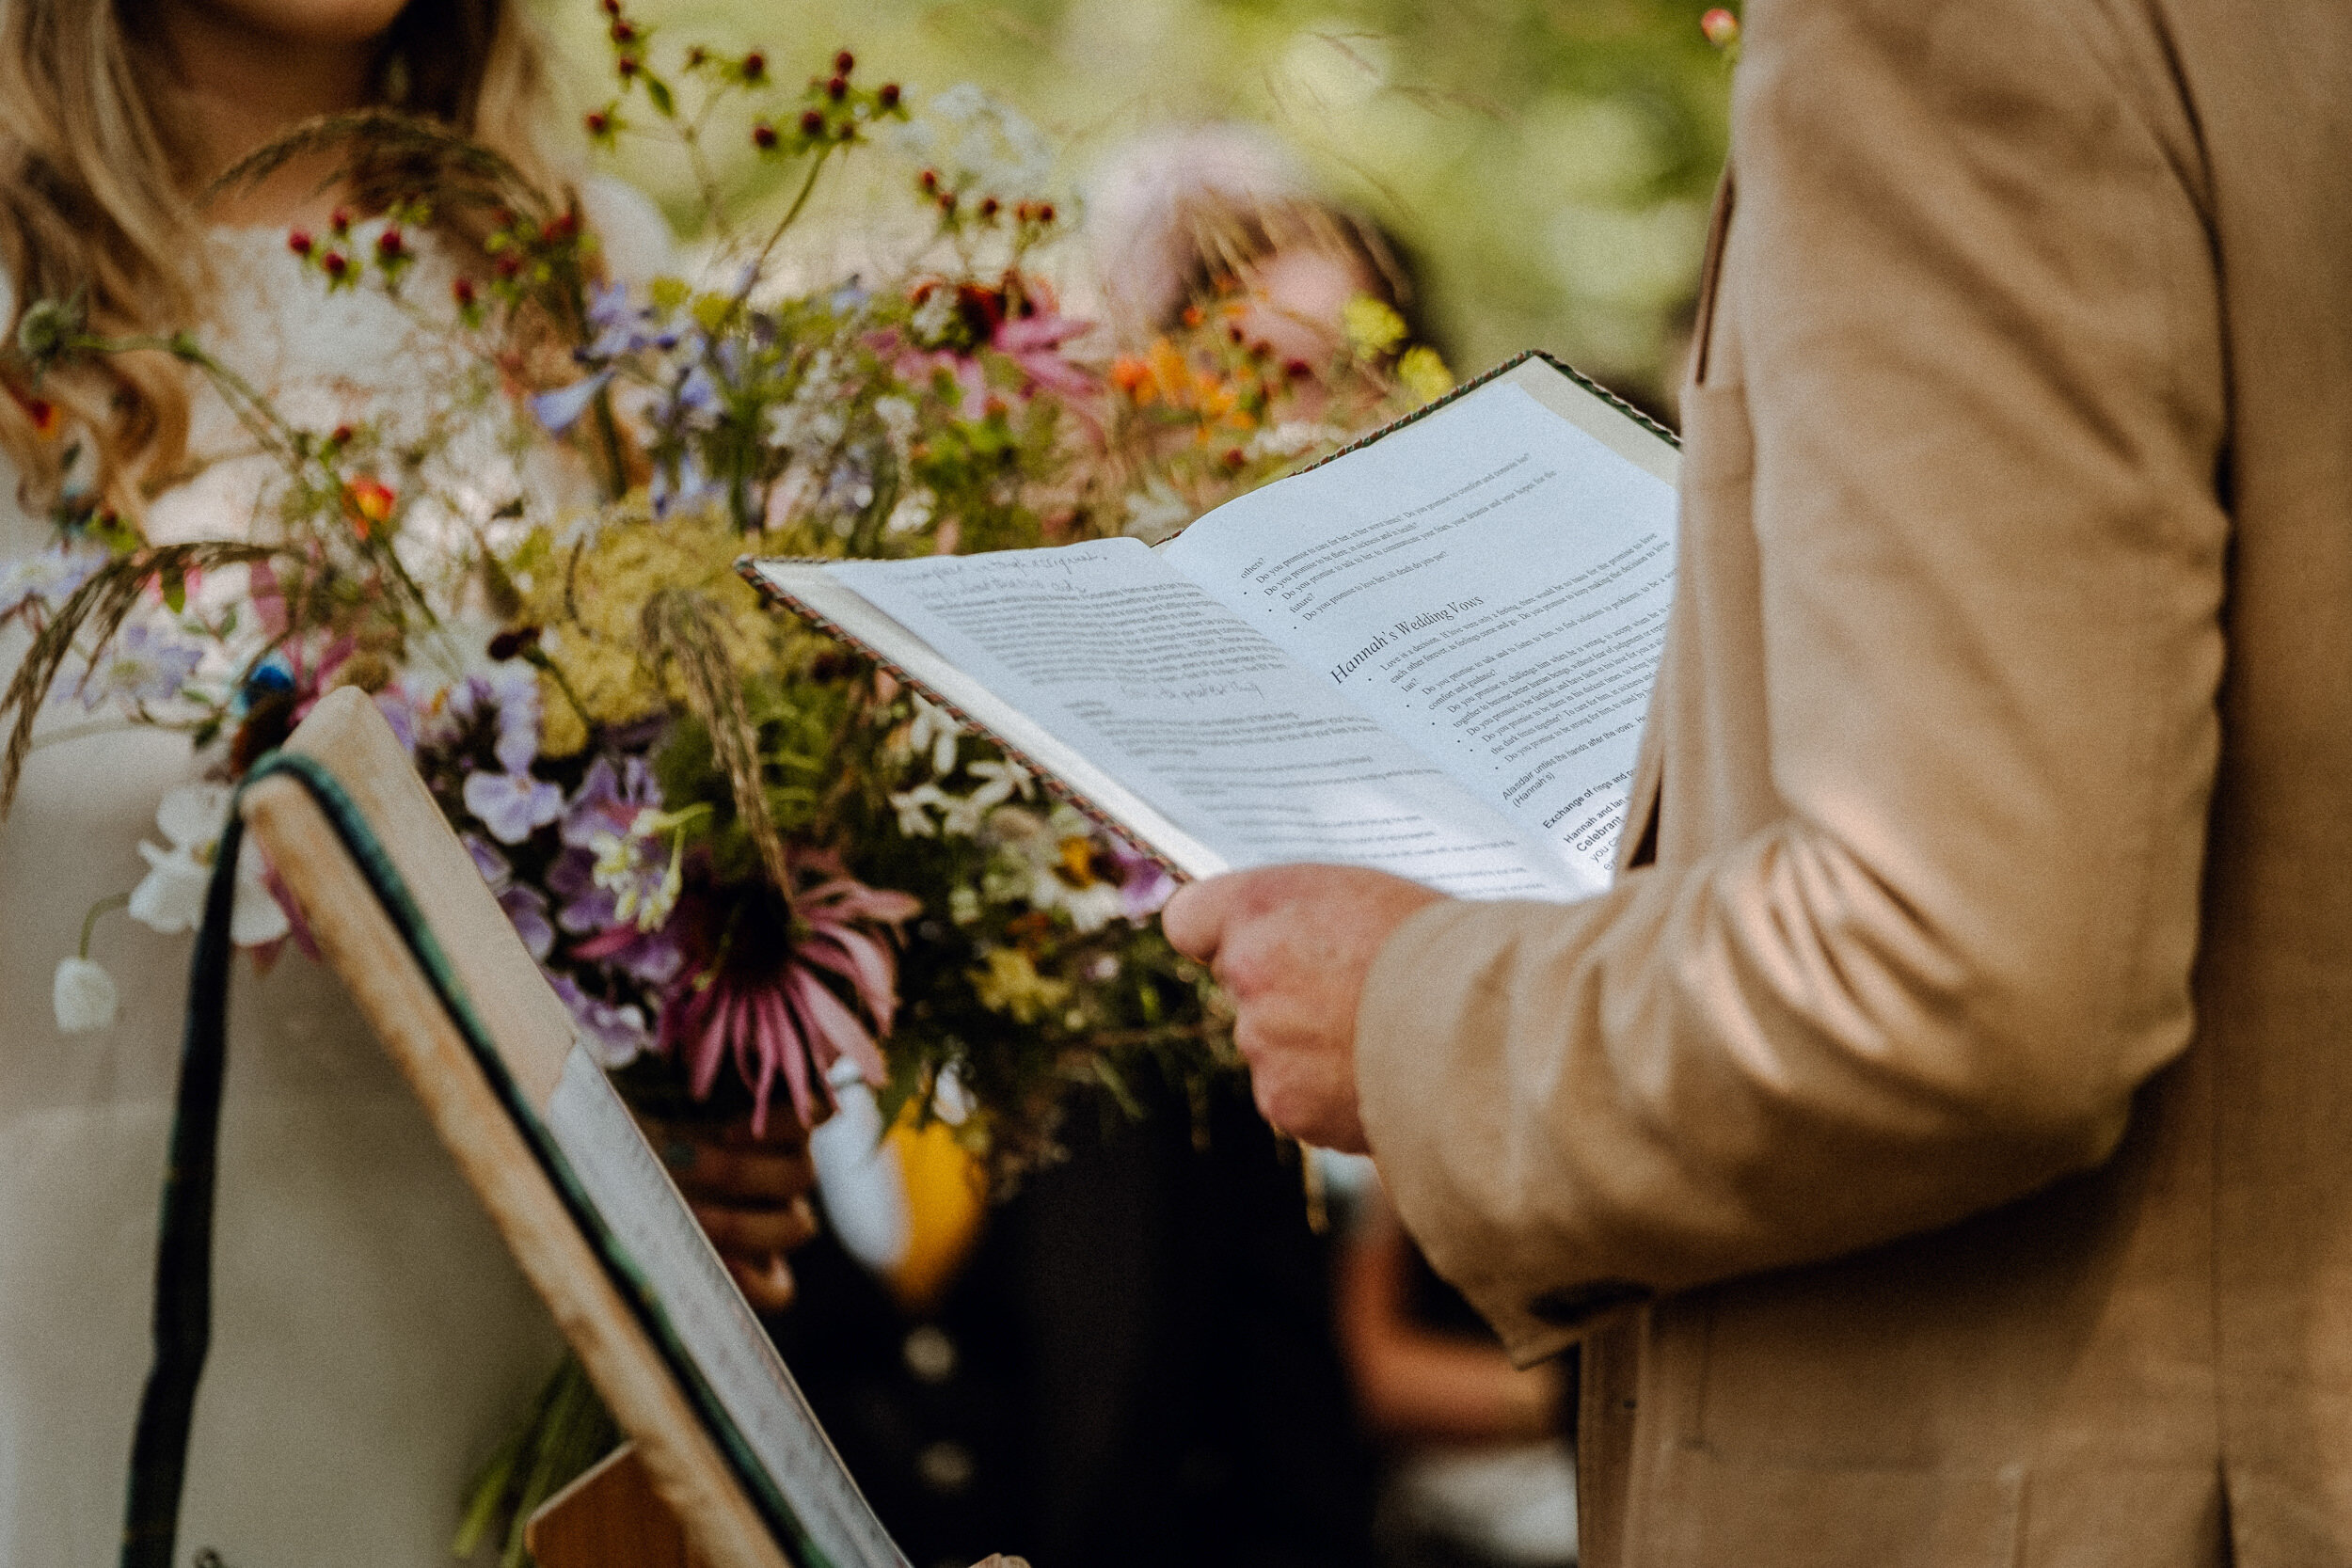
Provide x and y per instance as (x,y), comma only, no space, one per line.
(1138,1365)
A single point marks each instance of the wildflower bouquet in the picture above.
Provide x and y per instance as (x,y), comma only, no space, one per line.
(753,867)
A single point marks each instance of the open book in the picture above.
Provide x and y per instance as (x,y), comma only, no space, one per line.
(1430,655)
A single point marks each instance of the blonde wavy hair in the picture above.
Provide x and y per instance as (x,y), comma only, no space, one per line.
(98,198)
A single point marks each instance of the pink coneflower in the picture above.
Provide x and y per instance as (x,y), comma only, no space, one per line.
(757,986)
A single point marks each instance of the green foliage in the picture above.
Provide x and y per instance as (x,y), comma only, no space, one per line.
(1546,162)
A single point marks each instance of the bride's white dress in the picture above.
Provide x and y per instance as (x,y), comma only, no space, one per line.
(372,1341)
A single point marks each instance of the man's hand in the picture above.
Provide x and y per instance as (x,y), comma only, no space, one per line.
(1293,944)
(750,1195)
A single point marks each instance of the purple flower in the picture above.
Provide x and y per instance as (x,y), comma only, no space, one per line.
(614,1035)
(685,484)
(50,576)
(697,394)
(586,906)
(486,859)
(400,711)
(526,907)
(511,805)
(652,958)
(610,799)
(517,741)
(527,911)
(615,320)
(608,805)
(142,665)
(561,409)
(459,707)
(508,696)
(1144,883)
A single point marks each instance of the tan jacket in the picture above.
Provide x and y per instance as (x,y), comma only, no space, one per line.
(1962,1068)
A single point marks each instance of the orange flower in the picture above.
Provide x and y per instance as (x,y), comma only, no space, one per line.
(1214,399)
(1131,376)
(1170,375)
(368,503)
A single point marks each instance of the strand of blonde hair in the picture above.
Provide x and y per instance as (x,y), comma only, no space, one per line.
(96,203)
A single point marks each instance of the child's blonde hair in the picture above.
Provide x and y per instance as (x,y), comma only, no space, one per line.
(97,198)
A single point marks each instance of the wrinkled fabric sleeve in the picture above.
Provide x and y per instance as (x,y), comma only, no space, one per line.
(1964,389)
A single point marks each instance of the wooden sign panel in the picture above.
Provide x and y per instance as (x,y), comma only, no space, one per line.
(402,916)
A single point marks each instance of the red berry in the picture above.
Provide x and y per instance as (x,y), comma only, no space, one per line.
(335,263)
(754,66)
(340,220)
(1232,334)
(1298,370)
(611,8)
(299,242)
(1044,212)
(928,179)
(463,291)
(812,123)
(1720,26)
(844,63)
(509,264)
(947,201)
(989,207)
(341,434)
(625,65)
(1235,457)
(623,32)
(837,90)
(388,244)
(763,135)
(888,97)
(598,122)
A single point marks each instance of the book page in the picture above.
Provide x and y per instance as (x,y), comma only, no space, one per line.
(1491,584)
(1122,659)
(662,1242)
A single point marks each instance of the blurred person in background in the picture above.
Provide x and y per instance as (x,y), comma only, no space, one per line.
(1481,1465)
(1184,216)
(371,1340)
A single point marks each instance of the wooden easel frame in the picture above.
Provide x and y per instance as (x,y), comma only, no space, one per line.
(683,1464)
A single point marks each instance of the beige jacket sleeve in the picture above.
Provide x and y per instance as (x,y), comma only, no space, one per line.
(1939,730)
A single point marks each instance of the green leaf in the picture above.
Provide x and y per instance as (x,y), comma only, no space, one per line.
(658,91)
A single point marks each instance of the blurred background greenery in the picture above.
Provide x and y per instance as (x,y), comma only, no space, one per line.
(1546,164)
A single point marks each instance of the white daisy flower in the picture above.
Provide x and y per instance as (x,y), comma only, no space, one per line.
(171,897)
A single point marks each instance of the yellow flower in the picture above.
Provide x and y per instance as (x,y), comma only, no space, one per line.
(590,601)
(1424,373)
(1371,326)
(1011,984)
